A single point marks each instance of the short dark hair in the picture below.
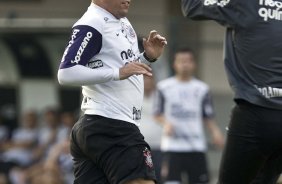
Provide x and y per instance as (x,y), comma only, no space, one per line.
(184,49)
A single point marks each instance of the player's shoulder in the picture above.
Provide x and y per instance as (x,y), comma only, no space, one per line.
(200,84)
(125,20)
(166,83)
(94,17)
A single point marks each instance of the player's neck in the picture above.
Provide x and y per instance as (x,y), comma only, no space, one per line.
(184,78)
(148,93)
(105,7)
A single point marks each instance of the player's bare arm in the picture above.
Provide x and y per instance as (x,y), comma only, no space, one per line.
(168,127)
(217,136)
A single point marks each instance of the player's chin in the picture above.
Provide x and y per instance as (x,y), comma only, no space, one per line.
(123,13)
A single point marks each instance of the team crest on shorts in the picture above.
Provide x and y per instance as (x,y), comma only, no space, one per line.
(148,157)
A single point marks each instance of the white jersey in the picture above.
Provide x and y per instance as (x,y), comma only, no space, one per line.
(184,104)
(100,41)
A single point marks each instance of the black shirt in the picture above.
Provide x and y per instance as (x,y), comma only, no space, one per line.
(253,45)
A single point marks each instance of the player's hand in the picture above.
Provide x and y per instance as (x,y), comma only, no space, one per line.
(218,140)
(168,129)
(134,68)
(154,45)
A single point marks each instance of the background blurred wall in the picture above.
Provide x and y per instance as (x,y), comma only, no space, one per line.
(42,8)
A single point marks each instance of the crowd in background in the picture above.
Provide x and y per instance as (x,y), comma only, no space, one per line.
(37,151)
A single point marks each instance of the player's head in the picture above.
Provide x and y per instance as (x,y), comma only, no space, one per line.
(67,119)
(119,8)
(51,118)
(184,62)
(30,119)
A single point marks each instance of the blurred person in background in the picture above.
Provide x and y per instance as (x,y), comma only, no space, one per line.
(48,133)
(103,57)
(253,62)
(183,106)
(3,179)
(56,166)
(4,134)
(67,120)
(60,161)
(47,138)
(151,130)
(18,152)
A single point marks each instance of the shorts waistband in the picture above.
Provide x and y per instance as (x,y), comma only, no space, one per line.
(249,104)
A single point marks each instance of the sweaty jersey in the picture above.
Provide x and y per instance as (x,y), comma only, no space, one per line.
(184,105)
(100,41)
(253,45)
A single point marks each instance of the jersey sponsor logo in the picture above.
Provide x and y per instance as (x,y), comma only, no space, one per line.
(270,10)
(136,113)
(179,134)
(73,37)
(270,92)
(148,157)
(135,60)
(95,64)
(180,112)
(221,3)
(82,47)
(127,54)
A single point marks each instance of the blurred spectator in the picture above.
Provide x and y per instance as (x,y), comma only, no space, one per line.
(151,130)
(48,134)
(18,151)
(56,165)
(24,138)
(67,122)
(9,118)
(60,161)
(38,155)
(4,133)
(183,106)
(3,179)
(56,169)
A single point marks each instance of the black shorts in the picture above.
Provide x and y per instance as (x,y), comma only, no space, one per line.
(108,151)
(186,167)
(253,151)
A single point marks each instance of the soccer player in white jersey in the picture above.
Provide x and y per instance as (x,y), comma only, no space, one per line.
(183,105)
(103,57)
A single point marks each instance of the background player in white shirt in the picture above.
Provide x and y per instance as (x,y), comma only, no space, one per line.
(103,57)
(183,105)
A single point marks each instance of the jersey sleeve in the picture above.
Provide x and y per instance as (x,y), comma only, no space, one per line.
(207,106)
(225,12)
(159,102)
(85,42)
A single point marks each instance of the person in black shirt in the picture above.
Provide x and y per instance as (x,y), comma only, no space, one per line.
(253,62)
